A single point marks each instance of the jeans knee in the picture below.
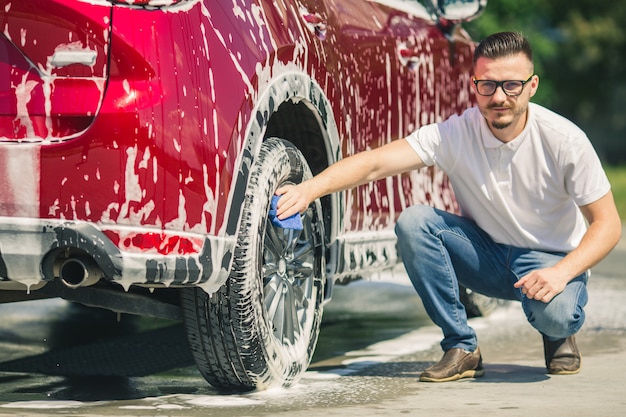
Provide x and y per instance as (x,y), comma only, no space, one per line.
(557,321)
(413,220)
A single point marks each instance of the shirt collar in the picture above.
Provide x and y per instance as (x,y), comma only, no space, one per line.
(491,142)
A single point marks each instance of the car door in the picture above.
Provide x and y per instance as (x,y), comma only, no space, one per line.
(363,64)
(400,71)
(433,83)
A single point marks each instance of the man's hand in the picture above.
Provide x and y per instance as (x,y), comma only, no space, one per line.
(602,235)
(293,199)
(542,284)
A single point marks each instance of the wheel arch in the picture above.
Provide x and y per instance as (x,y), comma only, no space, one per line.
(300,123)
(295,108)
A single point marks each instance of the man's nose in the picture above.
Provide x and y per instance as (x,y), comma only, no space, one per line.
(499,95)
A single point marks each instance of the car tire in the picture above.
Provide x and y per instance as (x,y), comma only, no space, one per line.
(260,329)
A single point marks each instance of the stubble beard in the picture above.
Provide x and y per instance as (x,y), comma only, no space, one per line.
(517,113)
(501,125)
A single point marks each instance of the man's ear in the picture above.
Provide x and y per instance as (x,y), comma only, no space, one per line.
(534,85)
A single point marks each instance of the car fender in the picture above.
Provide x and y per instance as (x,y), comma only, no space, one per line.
(294,87)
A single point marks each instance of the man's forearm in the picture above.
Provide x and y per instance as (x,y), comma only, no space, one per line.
(391,159)
(595,245)
(603,234)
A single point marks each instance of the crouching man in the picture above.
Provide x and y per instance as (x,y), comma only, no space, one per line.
(536,211)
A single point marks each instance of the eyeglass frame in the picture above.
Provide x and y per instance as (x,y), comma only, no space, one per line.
(501,85)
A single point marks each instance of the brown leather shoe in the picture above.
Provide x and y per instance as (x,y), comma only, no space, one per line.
(456,363)
(562,356)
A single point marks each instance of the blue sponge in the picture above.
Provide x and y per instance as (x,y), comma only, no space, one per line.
(293,222)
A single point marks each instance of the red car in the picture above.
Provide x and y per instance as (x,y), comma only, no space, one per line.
(141,142)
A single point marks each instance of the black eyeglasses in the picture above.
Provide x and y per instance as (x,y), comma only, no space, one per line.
(511,88)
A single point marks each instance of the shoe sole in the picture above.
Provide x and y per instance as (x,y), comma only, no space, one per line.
(472,373)
(565,372)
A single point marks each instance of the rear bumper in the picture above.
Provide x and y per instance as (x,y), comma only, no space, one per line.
(32,249)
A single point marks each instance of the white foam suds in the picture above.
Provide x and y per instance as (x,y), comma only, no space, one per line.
(220,401)
(41,405)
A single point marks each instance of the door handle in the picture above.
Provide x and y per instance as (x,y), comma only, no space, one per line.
(409,56)
(316,24)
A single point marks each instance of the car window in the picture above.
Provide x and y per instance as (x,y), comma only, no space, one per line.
(413,7)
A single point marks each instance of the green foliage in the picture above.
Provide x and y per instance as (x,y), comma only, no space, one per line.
(580,55)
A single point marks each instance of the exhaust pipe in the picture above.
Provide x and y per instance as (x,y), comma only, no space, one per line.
(79,272)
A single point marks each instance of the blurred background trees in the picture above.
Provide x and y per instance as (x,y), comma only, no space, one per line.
(580,56)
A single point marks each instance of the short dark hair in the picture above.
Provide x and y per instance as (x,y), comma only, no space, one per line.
(503,44)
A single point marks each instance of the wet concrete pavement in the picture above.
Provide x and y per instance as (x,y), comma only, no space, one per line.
(374,343)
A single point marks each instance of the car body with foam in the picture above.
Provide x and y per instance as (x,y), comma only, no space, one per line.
(141,142)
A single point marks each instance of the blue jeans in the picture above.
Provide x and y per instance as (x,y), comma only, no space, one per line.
(441,250)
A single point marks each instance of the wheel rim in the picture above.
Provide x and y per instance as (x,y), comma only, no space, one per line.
(289,258)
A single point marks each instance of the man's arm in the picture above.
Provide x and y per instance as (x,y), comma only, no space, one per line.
(604,232)
(391,159)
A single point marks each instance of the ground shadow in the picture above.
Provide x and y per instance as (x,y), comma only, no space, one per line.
(511,373)
(494,373)
(132,355)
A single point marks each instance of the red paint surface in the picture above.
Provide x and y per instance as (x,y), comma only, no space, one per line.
(149,135)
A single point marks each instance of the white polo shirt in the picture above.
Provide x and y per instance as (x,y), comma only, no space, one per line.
(526,192)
